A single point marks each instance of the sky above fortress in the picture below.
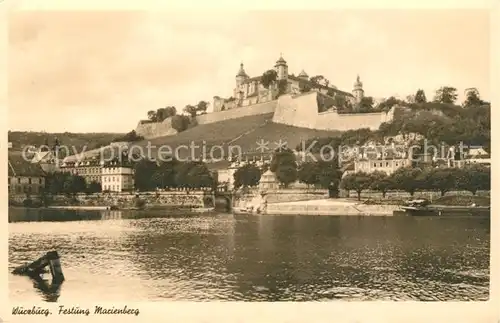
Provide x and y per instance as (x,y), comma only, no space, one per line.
(103,71)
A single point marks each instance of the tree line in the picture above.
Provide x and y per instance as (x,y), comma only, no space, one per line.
(436,122)
(287,169)
(180,122)
(150,175)
(471,178)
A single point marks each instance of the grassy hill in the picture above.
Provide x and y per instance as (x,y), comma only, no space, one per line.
(21,139)
(242,132)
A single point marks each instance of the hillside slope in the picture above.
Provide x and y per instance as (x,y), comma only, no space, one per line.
(20,139)
(242,132)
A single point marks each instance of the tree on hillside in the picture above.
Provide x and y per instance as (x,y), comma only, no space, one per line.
(357,137)
(191,110)
(387,104)
(474,178)
(357,182)
(304,87)
(180,122)
(202,107)
(193,174)
(282,87)
(152,115)
(381,182)
(199,176)
(308,173)
(420,96)
(94,187)
(130,137)
(268,78)
(316,80)
(284,165)
(144,170)
(340,102)
(74,184)
(446,94)
(247,175)
(366,105)
(440,179)
(473,99)
(407,179)
(164,175)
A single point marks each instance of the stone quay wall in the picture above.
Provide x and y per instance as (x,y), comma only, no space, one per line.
(333,209)
(400,195)
(189,199)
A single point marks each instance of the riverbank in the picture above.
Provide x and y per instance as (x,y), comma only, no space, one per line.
(330,207)
(370,207)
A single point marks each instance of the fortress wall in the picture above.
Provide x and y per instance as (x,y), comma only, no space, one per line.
(302,111)
(235,113)
(343,122)
(156,129)
(298,111)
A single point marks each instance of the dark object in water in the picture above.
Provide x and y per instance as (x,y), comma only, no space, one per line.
(417,203)
(439,210)
(37,267)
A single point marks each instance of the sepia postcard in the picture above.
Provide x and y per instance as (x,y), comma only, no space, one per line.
(260,164)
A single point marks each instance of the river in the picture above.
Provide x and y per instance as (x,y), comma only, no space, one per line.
(132,256)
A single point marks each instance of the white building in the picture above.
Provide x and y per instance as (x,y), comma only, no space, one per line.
(117,177)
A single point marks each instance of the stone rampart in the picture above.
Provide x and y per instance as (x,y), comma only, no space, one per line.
(302,111)
(155,129)
(256,109)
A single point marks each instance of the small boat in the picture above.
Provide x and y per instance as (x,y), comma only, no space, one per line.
(422,207)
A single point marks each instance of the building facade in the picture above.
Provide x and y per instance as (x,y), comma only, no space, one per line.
(117,177)
(24,177)
(387,166)
(90,170)
(249,90)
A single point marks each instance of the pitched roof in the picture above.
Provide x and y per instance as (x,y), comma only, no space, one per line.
(19,166)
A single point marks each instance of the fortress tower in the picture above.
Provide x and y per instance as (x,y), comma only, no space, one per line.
(303,75)
(358,91)
(241,76)
(281,68)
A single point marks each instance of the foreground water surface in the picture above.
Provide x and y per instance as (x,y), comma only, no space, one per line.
(124,256)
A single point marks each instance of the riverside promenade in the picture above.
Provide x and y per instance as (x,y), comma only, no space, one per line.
(329,207)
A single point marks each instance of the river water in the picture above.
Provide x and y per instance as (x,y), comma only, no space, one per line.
(127,256)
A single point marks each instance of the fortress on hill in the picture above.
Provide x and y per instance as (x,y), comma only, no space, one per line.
(299,102)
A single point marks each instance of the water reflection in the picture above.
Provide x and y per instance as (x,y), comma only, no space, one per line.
(50,290)
(267,258)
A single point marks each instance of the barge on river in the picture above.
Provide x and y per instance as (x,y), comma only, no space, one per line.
(422,207)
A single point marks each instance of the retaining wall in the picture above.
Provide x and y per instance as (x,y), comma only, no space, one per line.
(302,111)
(235,113)
(155,129)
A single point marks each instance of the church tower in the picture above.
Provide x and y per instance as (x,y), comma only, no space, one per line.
(241,76)
(281,68)
(358,91)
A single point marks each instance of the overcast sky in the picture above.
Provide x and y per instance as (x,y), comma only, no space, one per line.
(102,71)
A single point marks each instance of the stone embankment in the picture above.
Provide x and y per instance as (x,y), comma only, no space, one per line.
(329,207)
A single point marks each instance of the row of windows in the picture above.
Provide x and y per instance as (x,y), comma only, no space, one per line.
(111,188)
(30,180)
(381,164)
(24,189)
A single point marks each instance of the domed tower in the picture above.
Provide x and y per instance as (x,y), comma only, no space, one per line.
(303,75)
(241,76)
(358,91)
(281,68)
